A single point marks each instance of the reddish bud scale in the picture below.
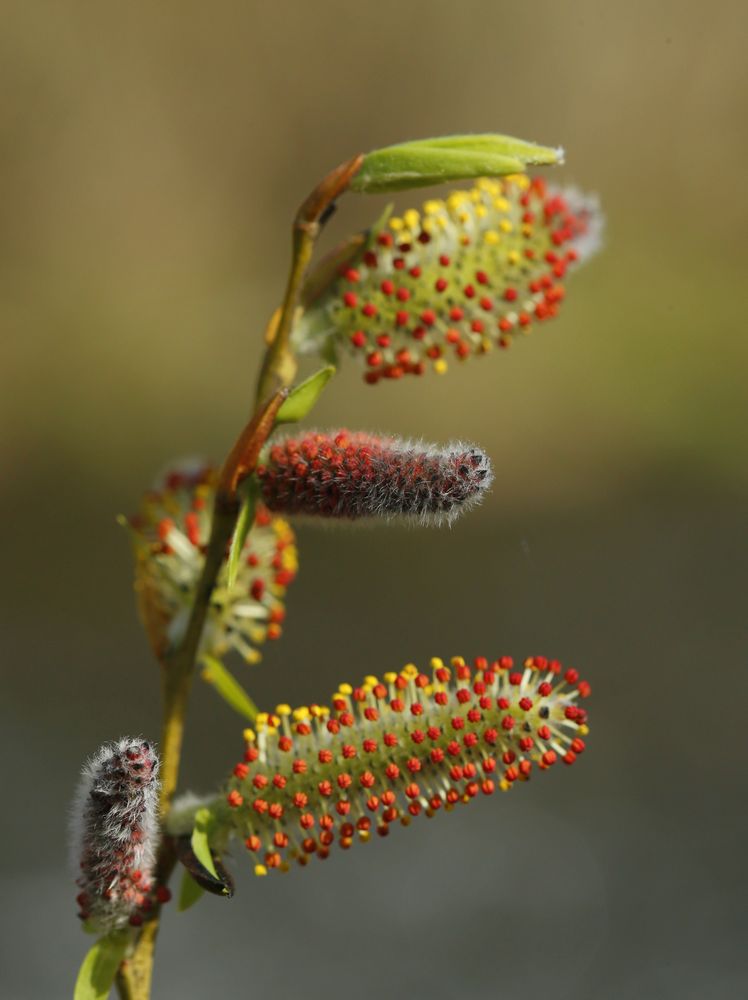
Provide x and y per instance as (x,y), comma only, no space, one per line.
(170,534)
(338,474)
(114,833)
(403,764)
(471,272)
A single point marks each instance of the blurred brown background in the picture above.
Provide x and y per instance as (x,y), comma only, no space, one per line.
(152,156)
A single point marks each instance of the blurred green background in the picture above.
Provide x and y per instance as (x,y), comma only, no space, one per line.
(152,158)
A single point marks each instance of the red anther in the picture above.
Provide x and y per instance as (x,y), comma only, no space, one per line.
(509,757)
(433,732)
(544,733)
(369,310)
(389,815)
(372,803)
(511,774)
(456,772)
(350,299)
(253,843)
(326,822)
(428,317)
(441,698)
(326,838)
(470,740)
(363,823)
(343,808)
(344,780)
(571,712)
(474,715)
(300,799)
(367,780)
(515,679)
(392,771)
(260,781)
(347,829)
(469,292)
(452,796)
(525,743)
(260,806)
(135,920)
(489,765)
(441,284)
(374,359)
(387,286)
(324,788)
(577,745)
(549,757)
(324,756)
(544,689)
(525,704)
(241,771)
(507,723)
(385,239)
(251,754)
(510,295)
(280,839)
(457,722)
(234,799)
(309,845)
(569,757)
(383,340)
(348,751)
(352,275)
(471,790)
(453,748)
(436,755)
(285,743)
(299,766)
(571,676)
(488,787)
(417,736)
(463,695)
(414,808)
(525,766)
(275,810)
(279,781)
(415,272)
(485,702)
(383,830)
(397,705)
(490,736)
(412,790)
(584,689)
(413,764)
(398,263)
(163,894)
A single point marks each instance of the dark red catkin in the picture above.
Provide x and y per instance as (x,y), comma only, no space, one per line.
(114,827)
(339,474)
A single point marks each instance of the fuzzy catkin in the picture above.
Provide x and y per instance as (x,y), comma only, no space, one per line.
(338,474)
(115,832)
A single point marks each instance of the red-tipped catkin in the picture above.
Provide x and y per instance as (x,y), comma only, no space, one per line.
(393,749)
(458,279)
(354,475)
(114,834)
(170,534)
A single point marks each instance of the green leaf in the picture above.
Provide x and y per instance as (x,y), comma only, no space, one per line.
(199,840)
(228,687)
(301,399)
(99,967)
(189,892)
(449,158)
(243,526)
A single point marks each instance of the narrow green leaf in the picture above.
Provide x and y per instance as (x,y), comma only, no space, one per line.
(243,526)
(99,967)
(304,396)
(449,158)
(189,892)
(199,840)
(228,687)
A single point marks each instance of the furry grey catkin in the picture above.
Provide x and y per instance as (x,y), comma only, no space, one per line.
(115,833)
(338,474)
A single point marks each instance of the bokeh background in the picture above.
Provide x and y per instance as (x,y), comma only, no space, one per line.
(152,157)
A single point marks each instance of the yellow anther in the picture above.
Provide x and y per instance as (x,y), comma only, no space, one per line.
(440,366)
(412,218)
(584,730)
(501,205)
(364,836)
(513,257)
(505,226)
(433,207)
(371,680)
(260,870)
(301,713)
(410,670)
(271,731)
(436,663)
(249,735)
(396,224)
(481,211)
(282,709)
(491,238)
(345,689)
(504,785)
(527,229)
(262,718)
(390,677)
(458,661)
